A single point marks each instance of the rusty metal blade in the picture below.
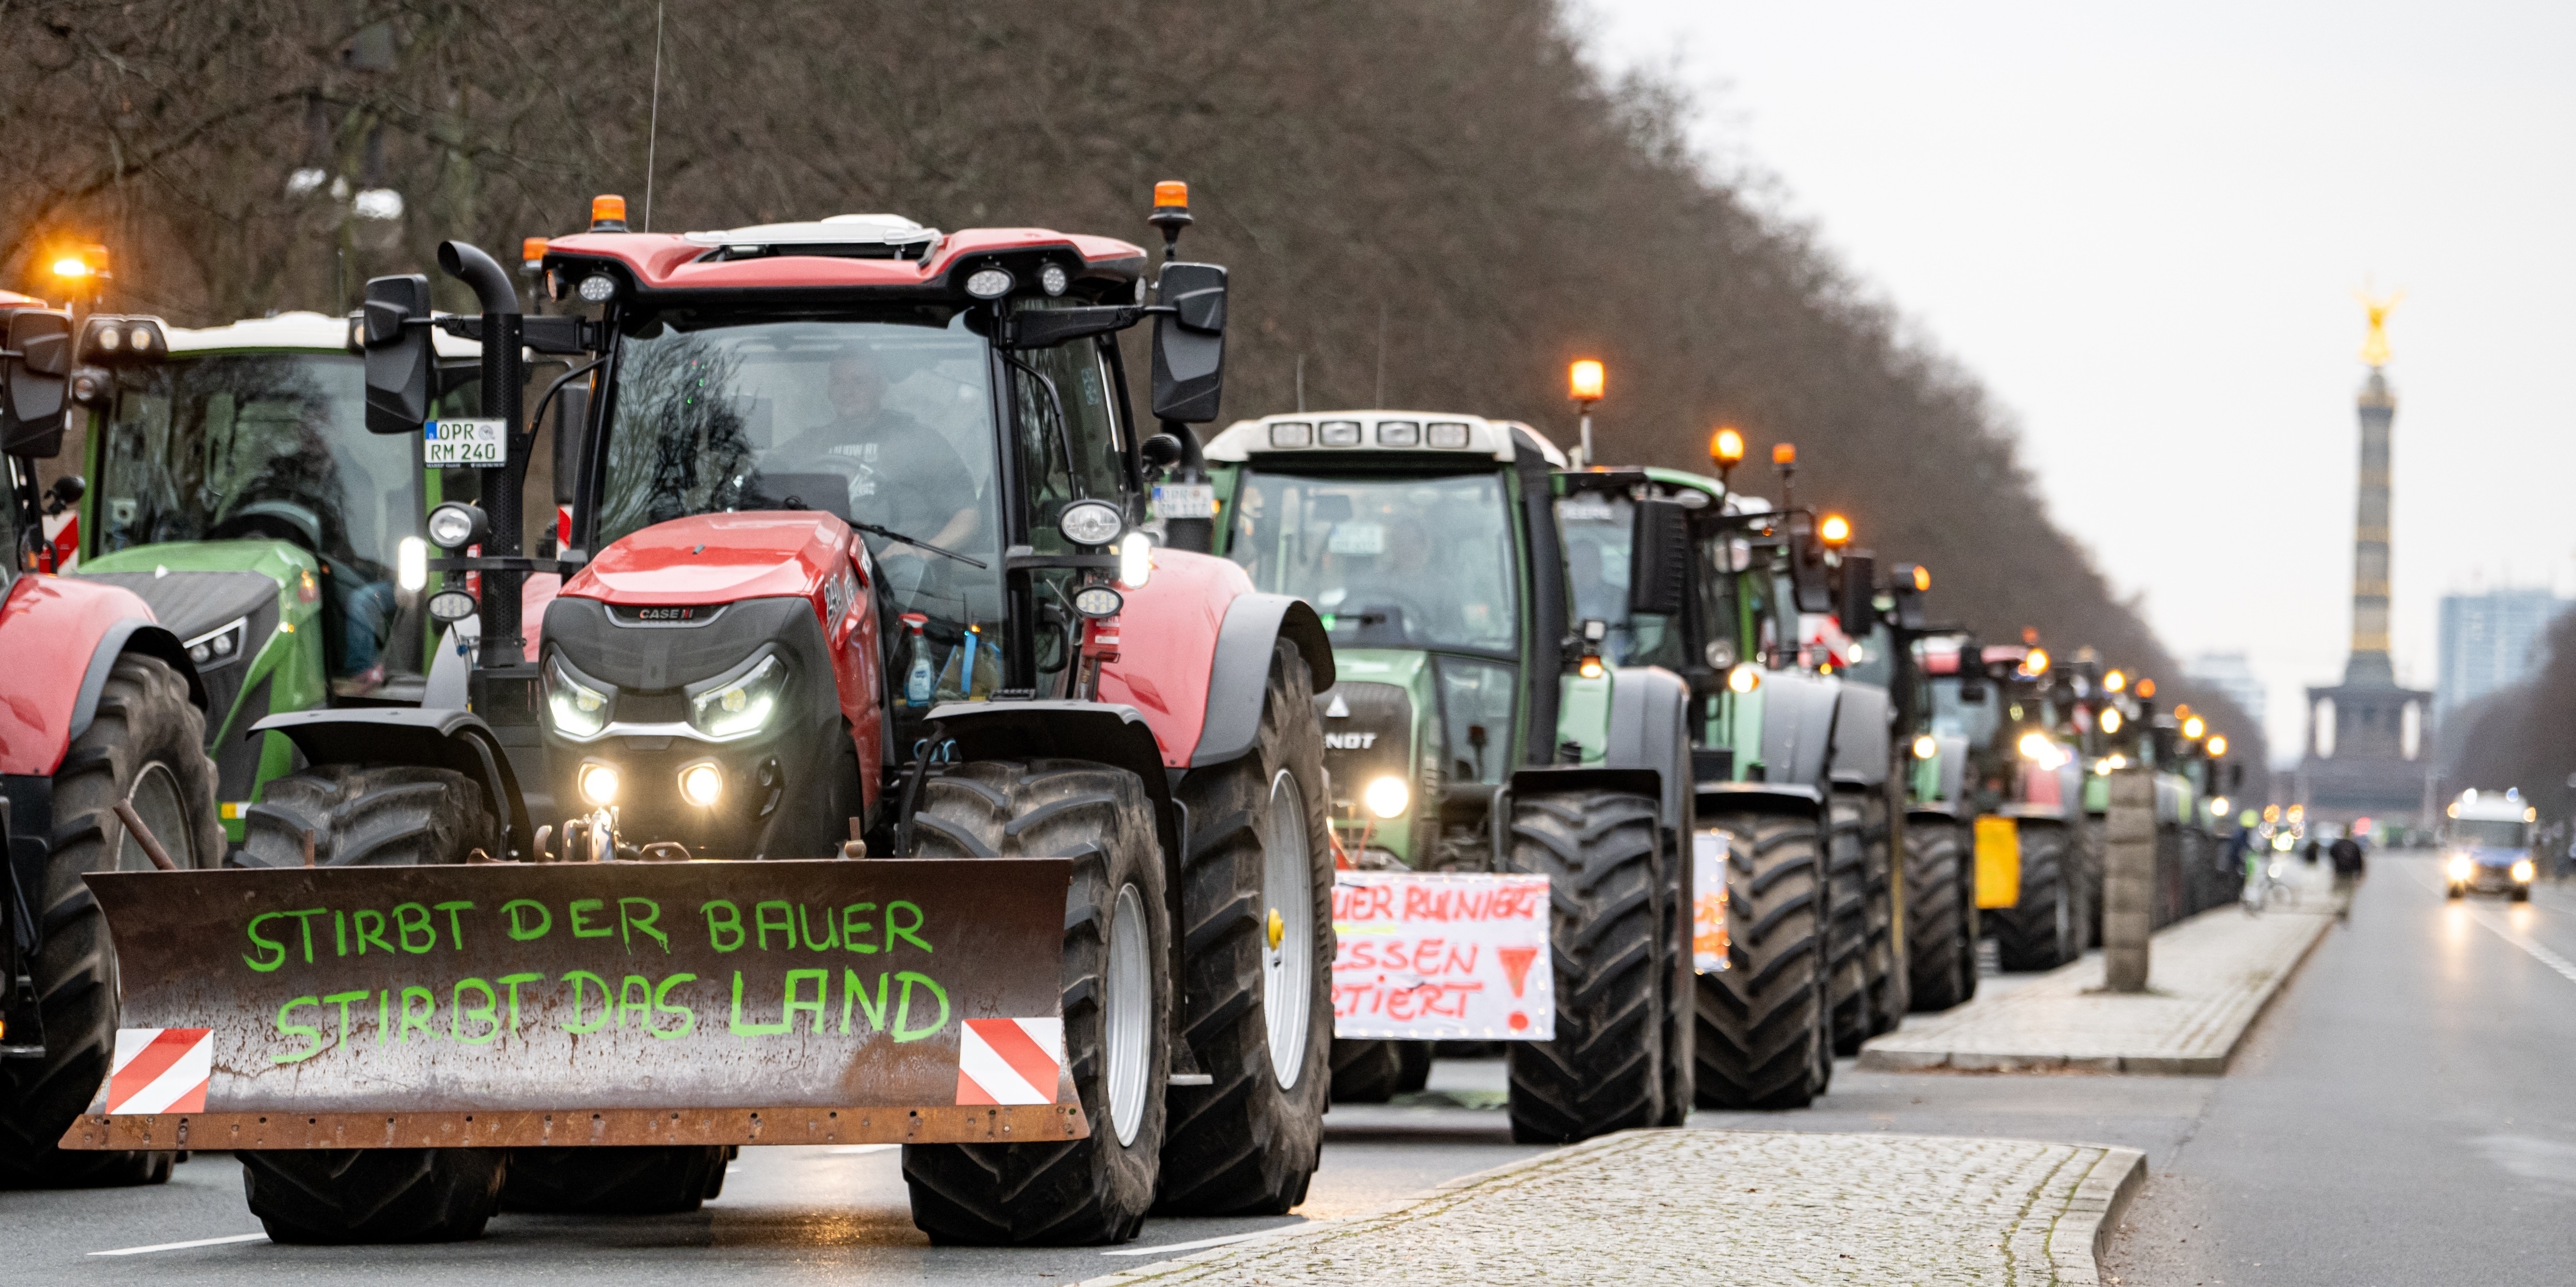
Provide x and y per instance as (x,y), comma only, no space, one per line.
(508,1004)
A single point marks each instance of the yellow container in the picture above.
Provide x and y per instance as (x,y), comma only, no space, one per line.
(1998,862)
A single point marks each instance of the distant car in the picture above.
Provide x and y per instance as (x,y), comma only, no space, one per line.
(2486,845)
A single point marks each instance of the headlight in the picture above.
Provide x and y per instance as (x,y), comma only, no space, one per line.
(455,525)
(2111,721)
(1052,279)
(702,784)
(989,283)
(1135,560)
(411,563)
(219,645)
(1387,797)
(1092,523)
(2036,746)
(598,784)
(1098,601)
(2462,868)
(740,708)
(2282,842)
(1744,678)
(2523,872)
(1926,746)
(598,288)
(579,710)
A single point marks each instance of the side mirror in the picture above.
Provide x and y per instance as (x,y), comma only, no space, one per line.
(399,357)
(38,365)
(1858,610)
(1808,589)
(1659,558)
(65,493)
(2235,778)
(1972,671)
(1189,344)
(1909,600)
(1162,451)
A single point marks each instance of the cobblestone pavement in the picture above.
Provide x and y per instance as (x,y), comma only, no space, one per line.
(2208,978)
(1741,1207)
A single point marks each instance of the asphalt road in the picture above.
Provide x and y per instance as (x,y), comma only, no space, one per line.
(2398,1117)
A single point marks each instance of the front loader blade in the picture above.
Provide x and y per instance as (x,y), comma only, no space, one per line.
(506,1005)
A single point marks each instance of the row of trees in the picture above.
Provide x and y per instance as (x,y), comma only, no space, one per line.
(1425,203)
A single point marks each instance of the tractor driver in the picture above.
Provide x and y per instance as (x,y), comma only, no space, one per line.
(903,475)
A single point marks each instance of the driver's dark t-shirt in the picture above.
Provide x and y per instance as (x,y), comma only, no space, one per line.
(900,473)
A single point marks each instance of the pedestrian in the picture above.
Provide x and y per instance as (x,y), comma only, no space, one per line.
(2346,856)
(2308,855)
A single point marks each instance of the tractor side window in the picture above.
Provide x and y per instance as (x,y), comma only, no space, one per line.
(1721,614)
(1068,434)
(1476,715)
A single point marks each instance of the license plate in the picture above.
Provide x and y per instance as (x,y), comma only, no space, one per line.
(475,444)
(1185,500)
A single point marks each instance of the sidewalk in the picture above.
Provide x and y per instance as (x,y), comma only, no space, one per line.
(1739,1207)
(2208,978)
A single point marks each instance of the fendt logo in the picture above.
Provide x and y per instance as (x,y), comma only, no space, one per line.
(1349,741)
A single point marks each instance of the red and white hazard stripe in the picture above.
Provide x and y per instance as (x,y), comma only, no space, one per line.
(160,1070)
(1009,1061)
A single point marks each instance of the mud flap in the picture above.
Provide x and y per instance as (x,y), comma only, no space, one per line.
(518,1005)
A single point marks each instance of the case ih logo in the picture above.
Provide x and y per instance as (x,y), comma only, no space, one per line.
(1349,741)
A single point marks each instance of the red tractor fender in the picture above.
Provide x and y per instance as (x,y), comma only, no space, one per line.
(1194,655)
(62,636)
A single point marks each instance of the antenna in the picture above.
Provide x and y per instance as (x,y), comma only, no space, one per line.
(653,126)
(1301,384)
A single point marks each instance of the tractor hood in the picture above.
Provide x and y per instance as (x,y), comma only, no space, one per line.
(718,558)
(198,586)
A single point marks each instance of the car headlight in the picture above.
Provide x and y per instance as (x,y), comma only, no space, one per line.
(741,706)
(1090,523)
(598,783)
(1387,797)
(2462,868)
(578,709)
(2523,871)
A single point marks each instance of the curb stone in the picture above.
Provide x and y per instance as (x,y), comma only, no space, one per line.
(1875,1059)
(2072,1240)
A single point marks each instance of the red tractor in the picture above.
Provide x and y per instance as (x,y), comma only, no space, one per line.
(858,581)
(102,724)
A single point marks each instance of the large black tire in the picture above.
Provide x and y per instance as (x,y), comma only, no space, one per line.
(391,815)
(2045,929)
(1248,1142)
(1096,1189)
(1677,976)
(342,1196)
(1890,989)
(1413,1065)
(622,1180)
(1761,1038)
(146,735)
(1604,1071)
(1942,962)
(1847,937)
(1368,1072)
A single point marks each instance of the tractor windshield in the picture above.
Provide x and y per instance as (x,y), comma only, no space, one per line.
(1389,563)
(889,423)
(268,446)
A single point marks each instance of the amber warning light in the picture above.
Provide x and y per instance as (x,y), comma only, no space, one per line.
(607,213)
(1585,380)
(1726,446)
(1784,454)
(1171,194)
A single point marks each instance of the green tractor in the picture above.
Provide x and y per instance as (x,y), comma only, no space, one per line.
(2030,750)
(1795,908)
(238,454)
(1478,727)
(1939,874)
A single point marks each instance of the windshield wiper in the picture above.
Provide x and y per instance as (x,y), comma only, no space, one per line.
(892,535)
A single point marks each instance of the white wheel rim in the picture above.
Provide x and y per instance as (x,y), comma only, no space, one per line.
(1128,1021)
(1287,929)
(158,802)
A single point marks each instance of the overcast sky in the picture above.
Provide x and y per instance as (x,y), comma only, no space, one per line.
(2143,225)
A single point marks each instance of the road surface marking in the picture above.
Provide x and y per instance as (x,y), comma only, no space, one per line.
(1227,1241)
(182,1246)
(2538,952)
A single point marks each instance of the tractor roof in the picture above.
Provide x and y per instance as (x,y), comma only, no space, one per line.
(12,299)
(1414,436)
(296,331)
(875,253)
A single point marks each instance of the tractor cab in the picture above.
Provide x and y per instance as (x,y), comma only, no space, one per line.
(1409,534)
(231,485)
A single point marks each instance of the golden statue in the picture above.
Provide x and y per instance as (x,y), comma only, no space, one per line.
(2374,347)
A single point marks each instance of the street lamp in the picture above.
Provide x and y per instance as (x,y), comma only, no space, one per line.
(1584,381)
